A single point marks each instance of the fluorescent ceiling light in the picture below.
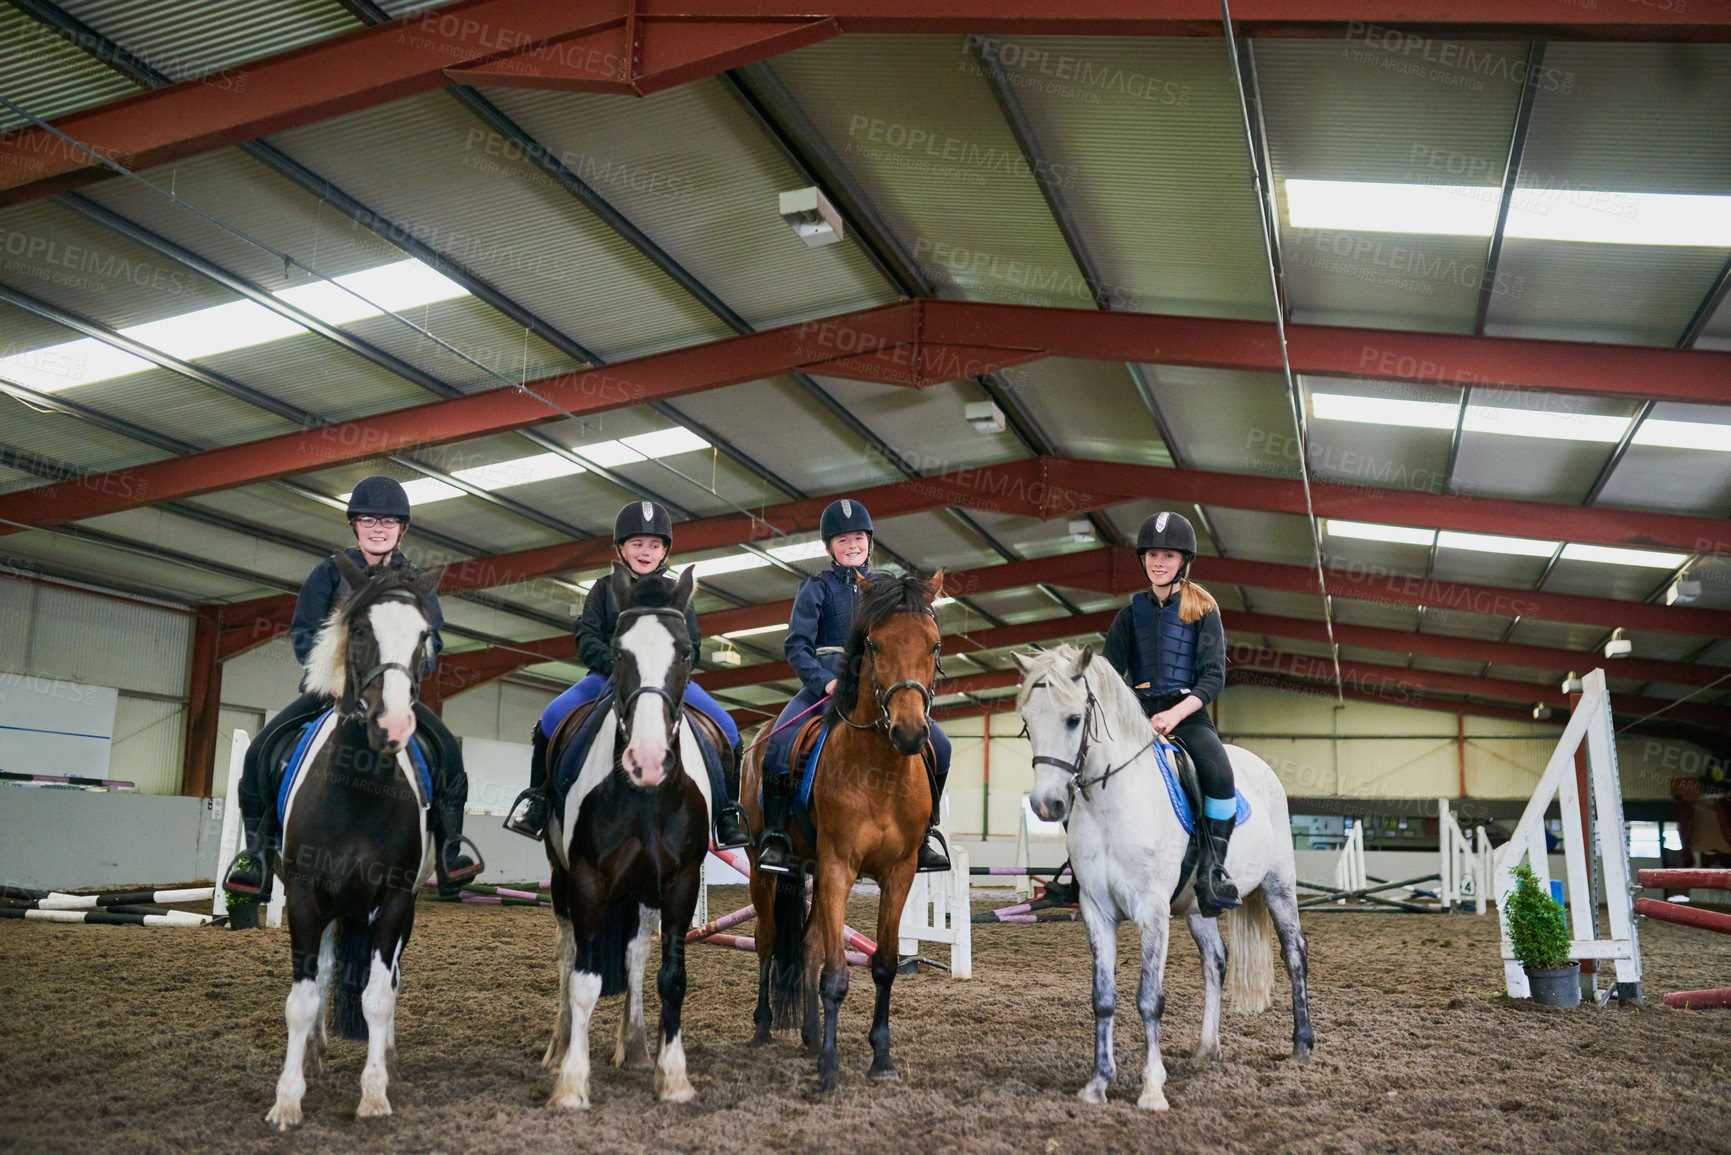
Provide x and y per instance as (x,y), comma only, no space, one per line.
(1584,215)
(1614,555)
(1383,411)
(643,447)
(1551,424)
(522,471)
(755,630)
(1367,531)
(1495,543)
(803,551)
(236,325)
(943,602)
(729,564)
(1684,435)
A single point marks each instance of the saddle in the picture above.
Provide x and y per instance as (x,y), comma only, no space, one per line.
(278,764)
(1185,790)
(568,744)
(806,742)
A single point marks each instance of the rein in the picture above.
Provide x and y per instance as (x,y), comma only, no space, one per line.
(1075,768)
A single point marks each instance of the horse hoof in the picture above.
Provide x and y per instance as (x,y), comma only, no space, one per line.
(1207,1054)
(826,1082)
(372,1110)
(1153,1099)
(886,1074)
(568,1103)
(760,1038)
(1301,1054)
(683,1094)
(1092,1094)
(281,1120)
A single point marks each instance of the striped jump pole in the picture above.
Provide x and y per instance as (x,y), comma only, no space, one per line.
(108,917)
(58,900)
(67,780)
(1685,915)
(749,945)
(739,861)
(710,929)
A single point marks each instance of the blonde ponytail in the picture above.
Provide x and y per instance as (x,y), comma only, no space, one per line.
(1194,602)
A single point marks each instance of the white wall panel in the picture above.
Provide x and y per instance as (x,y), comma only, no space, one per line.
(148,739)
(17,599)
(267,678)
(103,641)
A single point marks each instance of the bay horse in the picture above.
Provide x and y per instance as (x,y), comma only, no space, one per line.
(626,838)
(1097,764)
(869,806)
(355,845)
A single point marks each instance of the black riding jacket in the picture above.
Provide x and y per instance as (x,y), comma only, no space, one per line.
(595,626)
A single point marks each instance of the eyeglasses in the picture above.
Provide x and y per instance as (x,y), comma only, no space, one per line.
(369,522)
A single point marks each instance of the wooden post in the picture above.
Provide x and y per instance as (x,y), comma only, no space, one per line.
(986,777)
(204,698)
(1461,748)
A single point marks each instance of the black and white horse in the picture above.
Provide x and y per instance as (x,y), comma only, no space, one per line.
(626,839)
(355,843)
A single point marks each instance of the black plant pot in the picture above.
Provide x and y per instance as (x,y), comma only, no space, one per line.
(243,915)
(1556,986)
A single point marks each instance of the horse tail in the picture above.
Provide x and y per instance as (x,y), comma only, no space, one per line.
(1250,955)
(354,963)
(617,928)
(787,954)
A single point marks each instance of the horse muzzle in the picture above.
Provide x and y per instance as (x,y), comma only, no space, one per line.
(647,762)
(390,733)
(910,740)
(1048,808)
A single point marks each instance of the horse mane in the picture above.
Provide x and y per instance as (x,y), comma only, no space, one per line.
(885,594)
(325,672)
(1057,666)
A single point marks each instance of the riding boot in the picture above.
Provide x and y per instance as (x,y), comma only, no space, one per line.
(730,827)
(249,873)
(1214,890)
(934,851)
(774,847)
(533,802)
(451,866)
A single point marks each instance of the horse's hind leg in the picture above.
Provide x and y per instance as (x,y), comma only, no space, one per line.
(389,934)
(632,1050)
(327,967)
(1206,932)
(301,1011)
(680,902)
(561,1041)
(1103,942)
(1151,1001)
(1282,902)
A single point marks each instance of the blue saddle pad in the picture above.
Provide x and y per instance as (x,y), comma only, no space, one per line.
(299,757)
(571,761)
(1181,802)
(803,797)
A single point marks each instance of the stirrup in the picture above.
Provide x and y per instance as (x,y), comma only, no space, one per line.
(526,823)
(933,859)
(774,849)
(463,874)
(262,893)
(731,830)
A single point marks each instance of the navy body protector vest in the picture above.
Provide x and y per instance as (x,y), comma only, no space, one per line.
(1163,661)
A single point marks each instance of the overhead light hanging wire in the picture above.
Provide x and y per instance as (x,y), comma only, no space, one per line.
(289,261)
(1265,212)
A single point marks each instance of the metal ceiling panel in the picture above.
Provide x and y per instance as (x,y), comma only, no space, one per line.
(1617,294)
(187,38)
(1149,138)
(1540,468)
(1373,558)
(1379,456)
(1596,579)
(1089,409)
(69,441)
(1246,533)
(49,78)
(465,343)
(930,540)
(925,426)
(1717,334)
(1676,480)
(313,374)
(1015,606)
(1562,635)
(1227,419)
(1127,519)
(159,527)
(1487,569)
(124,569)
(1283,603)
(696,174)
(423,163)
(1401,110)
(1381,615)
(180,407)
(1460,624)
(917,127)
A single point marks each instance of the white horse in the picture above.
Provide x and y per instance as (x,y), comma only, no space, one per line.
(1096,765)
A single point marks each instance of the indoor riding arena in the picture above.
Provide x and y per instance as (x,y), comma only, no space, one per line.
(634,576)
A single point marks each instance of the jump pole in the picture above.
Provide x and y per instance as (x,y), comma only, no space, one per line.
(1685,915)
(59,900)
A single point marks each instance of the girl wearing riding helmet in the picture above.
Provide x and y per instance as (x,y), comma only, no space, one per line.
(642,539)
(817,636)
(1168,643)
(378,514)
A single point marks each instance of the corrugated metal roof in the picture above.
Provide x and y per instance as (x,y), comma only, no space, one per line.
(169,403)
(1227,419)
(187,38)
(423,162)
(48,77)
(926,426)
(1543,468)
(1420,112)
(1694,481)
(1615,294)
(123,569)
(689,168)
(1150,142)
(1278,537)
(1088,409)
(924,138)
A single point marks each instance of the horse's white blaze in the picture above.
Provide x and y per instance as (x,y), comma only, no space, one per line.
(379,1006)
(571,1093)
(302,1012)
(652,648)
(397,629)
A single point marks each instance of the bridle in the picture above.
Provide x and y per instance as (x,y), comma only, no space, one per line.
(1075,767)
(358,686)
(884,694)
(625,706)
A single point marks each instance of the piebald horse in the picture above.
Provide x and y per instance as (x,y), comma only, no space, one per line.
(1097,765)
(355,845)
(870,801)
(626,839)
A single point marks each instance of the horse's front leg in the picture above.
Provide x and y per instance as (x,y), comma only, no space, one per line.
(560,1044)
(892,899)
(306,931)
(678,905)
(632,1050)
(826,952)
(389,935)
(1102,925)
(582,991)
(1151,1001)
(1206,932)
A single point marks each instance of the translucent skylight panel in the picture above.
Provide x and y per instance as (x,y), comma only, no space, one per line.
(1383,411)
(1496,543)
(729,564)
(522,471)
(1684,435)
(1616,555)
(1557,425)
(1369,531)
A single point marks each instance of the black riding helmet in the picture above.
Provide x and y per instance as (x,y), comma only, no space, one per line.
(1168,531)
(643,519)
(379,496)
(844,516)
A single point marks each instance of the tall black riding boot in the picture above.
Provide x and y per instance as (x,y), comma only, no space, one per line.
(774,847)
(528,815)
(730,827)
(450,795)
(1214,890)
(934,851)
(249,871)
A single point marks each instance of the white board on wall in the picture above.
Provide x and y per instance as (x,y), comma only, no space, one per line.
(53,727)
(498,772)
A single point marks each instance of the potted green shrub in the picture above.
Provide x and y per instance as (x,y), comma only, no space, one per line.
(242,911)
(1539,935)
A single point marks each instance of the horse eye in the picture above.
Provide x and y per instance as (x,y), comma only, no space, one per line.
(1073,721)
(871,645)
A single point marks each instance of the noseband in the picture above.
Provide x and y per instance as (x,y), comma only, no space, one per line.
(1075,768)
(625,706)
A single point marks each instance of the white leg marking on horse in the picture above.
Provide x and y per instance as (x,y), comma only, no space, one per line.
(670,1080)
(302,1009)
(379,1005)
(571,1093)
(632,1050)
(561,1040)
(327,967)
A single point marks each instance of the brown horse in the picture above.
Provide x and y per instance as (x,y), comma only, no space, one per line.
(869,805)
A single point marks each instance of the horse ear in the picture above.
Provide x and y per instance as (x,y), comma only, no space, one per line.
(937,588)
(353,575)
(426,583)
(686,586)
(620,582)
(863,582)
(1024,662)
(1082,662)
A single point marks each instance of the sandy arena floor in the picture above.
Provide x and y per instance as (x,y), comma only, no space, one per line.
(121,1039)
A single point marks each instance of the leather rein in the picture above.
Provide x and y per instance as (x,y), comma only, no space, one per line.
(1075,768)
